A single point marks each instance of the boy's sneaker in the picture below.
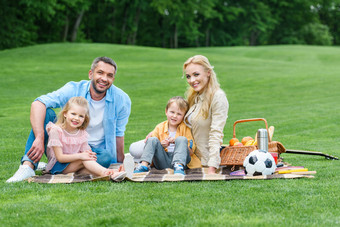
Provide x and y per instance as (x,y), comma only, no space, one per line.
(141,168)
(179,169)
(24,172)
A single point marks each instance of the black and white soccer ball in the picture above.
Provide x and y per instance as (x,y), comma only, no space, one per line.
(259,162)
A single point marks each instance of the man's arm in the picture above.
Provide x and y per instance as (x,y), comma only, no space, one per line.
(120,149)
(37,117)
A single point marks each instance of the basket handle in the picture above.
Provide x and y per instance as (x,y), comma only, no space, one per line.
(248,120)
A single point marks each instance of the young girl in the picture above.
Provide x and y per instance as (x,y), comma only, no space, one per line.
(67,148)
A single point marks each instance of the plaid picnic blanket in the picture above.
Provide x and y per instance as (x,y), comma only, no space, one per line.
(166,175)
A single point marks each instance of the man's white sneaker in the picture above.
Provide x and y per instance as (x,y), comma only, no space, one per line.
(41,166)
(24,172)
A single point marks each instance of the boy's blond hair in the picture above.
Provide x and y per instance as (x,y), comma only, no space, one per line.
(180,101)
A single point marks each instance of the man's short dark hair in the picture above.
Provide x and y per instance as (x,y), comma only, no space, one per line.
(105,60)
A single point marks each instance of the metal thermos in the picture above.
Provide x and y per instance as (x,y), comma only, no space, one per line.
(262,139)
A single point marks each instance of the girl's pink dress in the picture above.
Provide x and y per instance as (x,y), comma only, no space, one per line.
(69,143)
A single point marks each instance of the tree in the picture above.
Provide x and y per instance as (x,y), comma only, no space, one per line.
(170,23)
(18,25)
(223,27)
(316,34)
(329,14)
(291,16)
(181,20)
(74,12)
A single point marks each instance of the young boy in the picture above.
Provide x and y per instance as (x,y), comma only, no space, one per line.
(171,144)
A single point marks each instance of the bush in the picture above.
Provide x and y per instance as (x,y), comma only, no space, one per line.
(316,34)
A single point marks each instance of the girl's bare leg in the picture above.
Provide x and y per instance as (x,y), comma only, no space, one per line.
(74,167)
(85,167)
(84,171)
(92,167)
(96,168)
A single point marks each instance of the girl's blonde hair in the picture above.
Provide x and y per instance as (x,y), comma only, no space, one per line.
(181,103)
(80,101)
(209,90)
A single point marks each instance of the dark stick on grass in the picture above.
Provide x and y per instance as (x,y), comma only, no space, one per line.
(327,156)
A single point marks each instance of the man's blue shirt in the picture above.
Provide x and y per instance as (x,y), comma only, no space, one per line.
(116,114)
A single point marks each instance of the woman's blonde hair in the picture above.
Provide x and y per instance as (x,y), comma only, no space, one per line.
(80,101)
(209,90)
(181,103)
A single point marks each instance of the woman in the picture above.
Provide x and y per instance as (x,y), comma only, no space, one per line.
(207,115)
(208,110)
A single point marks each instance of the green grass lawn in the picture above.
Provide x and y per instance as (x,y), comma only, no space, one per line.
(296,88)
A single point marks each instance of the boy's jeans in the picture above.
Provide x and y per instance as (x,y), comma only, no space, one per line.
(103,157)
(154,152)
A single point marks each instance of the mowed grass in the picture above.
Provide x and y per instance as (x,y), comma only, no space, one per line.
(296,88)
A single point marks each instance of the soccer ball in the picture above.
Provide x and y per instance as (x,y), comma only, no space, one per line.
(259,162)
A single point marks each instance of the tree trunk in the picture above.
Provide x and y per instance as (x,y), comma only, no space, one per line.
(66,29)
(253,38)
(113,26)
(161,24)
(207,37)
(76,25)
(197,41)
(175,37)
(134,35)
(171,41)
(122,37)
(335,36)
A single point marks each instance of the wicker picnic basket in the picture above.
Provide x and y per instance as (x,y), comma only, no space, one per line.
(234,155)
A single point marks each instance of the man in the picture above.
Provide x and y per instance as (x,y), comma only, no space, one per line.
(110,109)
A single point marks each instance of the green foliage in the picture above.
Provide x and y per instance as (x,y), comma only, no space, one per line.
(290,16)
(16,26)
(316,34)
(329,13)
(168,23)
(294,87)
